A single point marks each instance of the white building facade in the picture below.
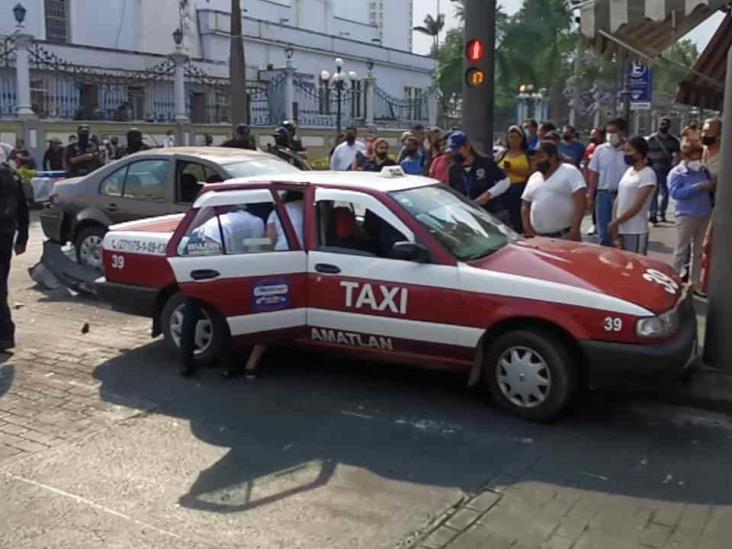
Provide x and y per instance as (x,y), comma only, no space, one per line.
(113,60)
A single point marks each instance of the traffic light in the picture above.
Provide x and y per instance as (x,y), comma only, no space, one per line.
(475,53)
(478,73)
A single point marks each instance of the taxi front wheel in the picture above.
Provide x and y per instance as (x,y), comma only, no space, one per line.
(531,374)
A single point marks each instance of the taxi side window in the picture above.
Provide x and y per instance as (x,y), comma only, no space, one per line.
(231,230)
(351,228)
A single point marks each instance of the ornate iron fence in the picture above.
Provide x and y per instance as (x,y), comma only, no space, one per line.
(390,111)
(318,106)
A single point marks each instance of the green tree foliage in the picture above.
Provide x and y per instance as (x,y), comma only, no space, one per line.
(433,27)
(674,66)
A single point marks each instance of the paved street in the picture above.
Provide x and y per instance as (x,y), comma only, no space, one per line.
(102,444)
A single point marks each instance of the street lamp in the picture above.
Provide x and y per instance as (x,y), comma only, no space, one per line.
(338,80)
(19,12)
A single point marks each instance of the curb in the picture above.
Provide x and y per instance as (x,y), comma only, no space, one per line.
(702,387)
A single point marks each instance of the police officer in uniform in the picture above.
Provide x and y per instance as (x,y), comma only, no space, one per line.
(82,156)
(243,138)
(281,148)
(477,177)
(13,238)
(134,144)
(295,143)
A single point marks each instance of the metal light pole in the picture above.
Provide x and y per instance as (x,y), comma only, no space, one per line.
(338,80)
(478,100)
(718,343)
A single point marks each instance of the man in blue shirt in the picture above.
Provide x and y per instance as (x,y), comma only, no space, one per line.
(571,146)
(531,129)
(690,185)
(413,161)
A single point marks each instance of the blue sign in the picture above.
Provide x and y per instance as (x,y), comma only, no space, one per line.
(641,86)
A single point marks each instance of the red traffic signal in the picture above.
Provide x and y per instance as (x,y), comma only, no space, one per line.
(475,50)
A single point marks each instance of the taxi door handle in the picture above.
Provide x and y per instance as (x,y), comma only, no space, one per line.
(204,274)
(327,269)
(112,207)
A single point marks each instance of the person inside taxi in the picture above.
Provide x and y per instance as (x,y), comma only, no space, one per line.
(555,197)
(477,177)
(237,227)
(629,228)
(295,208)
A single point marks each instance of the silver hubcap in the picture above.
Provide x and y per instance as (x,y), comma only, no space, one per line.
(204,330)
(90,252)
(523,377)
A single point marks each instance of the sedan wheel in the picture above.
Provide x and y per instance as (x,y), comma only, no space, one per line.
(89,247)
(211,335)
(531,373)
(523,377)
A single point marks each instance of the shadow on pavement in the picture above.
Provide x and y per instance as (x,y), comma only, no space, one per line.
(7,373)
(288,432)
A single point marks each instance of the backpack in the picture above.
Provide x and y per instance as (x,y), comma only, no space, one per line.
(9,195)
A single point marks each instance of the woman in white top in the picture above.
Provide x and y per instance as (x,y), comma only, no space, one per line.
(629,227)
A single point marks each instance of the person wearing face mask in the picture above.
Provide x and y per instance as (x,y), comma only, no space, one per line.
(345,153)
(571,146)
(531,129)
(381,157)
(663,151)
(629,228)
(53,158)
(605,171)
(82,157)
(555,197)
(441,161)
(134,144)
(690,185)
(413,162)
(710,138)
(477,177)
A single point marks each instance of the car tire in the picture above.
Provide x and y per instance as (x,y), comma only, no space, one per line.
(213,332)
(88,245)
(531,374)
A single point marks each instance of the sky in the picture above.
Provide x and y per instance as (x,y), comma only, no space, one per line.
(701,35)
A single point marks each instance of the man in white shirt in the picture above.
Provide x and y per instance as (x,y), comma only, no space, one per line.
(606,169)
(295,208)
(345,153)
(169,140)
(237,226)
(555,197)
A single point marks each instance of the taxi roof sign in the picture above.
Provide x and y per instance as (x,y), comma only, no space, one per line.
(392,172)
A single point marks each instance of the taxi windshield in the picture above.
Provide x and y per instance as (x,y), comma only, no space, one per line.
(466,230)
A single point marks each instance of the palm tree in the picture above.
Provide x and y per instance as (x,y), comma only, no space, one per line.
(433,27)
(237,69)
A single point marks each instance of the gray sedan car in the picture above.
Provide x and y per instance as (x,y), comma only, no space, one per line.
(146,184)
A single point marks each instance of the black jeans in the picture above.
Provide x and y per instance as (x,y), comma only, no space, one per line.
(7,328)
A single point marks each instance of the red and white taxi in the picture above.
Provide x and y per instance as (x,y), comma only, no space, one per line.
(403,269)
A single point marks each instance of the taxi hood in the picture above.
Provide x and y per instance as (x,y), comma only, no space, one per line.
(645,282)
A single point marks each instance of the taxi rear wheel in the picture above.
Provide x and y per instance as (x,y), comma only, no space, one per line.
(531,374)
(210,330)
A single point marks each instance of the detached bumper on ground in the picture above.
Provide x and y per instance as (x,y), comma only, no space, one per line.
(132,300)
(612,365)
(52,220)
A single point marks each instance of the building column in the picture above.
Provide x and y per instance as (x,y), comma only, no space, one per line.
(289,90)
(370,82)
(179,87)
(718,343)
(23,108)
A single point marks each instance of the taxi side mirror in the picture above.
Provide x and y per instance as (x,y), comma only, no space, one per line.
(411,251)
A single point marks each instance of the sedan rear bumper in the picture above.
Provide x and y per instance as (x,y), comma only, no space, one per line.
(132,300)
(615,365)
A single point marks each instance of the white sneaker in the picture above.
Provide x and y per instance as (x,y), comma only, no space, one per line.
(592,231)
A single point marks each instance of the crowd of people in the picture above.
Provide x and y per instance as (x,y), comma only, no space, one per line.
(542,181)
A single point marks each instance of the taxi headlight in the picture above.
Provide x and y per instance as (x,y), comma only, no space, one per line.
(658,326)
